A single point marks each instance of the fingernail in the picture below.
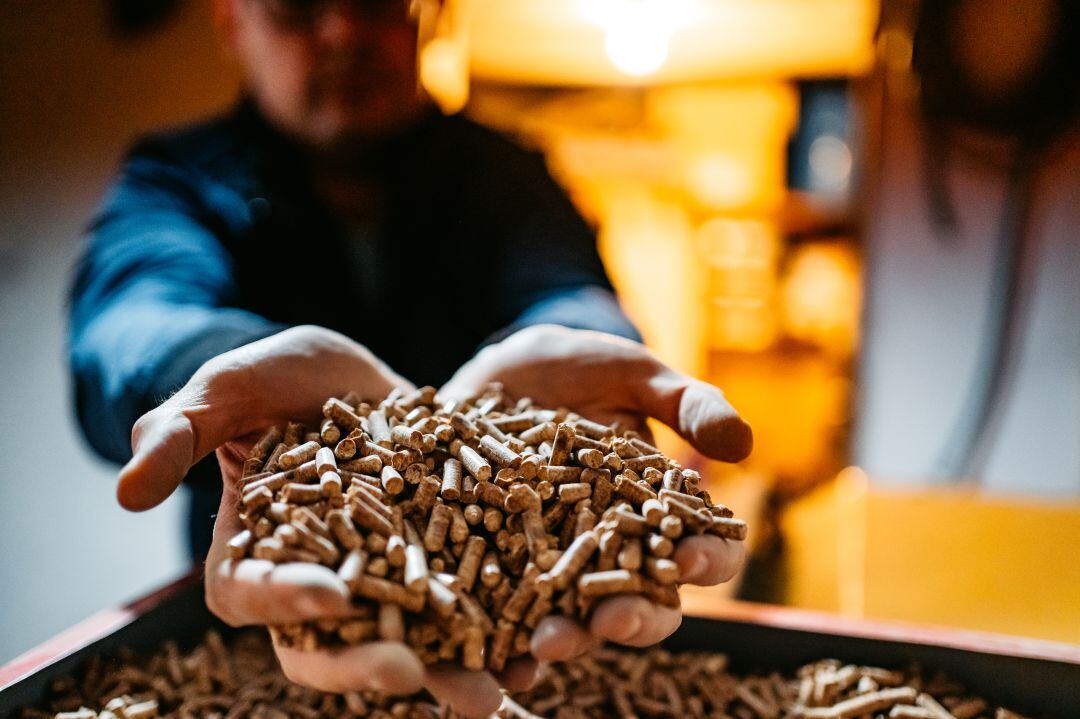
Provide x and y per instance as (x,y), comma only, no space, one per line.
(543,632)
(535,678)
(697,567)
(307,605)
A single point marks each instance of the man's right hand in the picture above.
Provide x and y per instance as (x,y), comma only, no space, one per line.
(226,404)
(237,395)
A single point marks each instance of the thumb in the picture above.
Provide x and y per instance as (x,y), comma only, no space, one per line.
(168,440)
(163,446)
(699,412)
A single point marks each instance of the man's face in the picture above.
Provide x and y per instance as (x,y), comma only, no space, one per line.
(327,71)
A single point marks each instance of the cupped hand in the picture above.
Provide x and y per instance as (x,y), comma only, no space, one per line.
(226,404)
(610,379)
(257,591)
(238,394)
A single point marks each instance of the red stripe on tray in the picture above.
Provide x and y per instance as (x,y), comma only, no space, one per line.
(88,631)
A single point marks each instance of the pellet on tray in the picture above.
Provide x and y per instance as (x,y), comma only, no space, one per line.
(242,679)
(613,682)
(211,681)
(434,496)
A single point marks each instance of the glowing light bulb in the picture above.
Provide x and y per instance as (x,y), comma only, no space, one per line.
(831,162)
(637,33)
(635,47)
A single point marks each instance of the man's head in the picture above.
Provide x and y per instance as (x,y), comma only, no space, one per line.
(326,72)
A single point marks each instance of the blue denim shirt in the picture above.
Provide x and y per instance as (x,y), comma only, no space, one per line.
(212,237)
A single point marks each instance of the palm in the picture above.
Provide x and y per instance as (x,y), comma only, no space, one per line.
(608,379)
(225,405)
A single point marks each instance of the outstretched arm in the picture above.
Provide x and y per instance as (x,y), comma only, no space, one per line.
(150,301)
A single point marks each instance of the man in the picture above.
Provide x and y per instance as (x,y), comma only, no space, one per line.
(329,229)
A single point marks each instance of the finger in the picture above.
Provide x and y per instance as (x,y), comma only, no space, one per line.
(257,591)
(707,560)
(231,455)
(230,463)
(235,394)
(634,621)
(227,523)
(558,639)
(471,694)
(519,675)
(163,447)
(699,412)
(170,439)
(388,667)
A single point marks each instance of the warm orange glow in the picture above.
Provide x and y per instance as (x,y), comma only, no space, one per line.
(741,244)
(638,33)
(795,402)
(820,298)
(443,43)
(647,244)
(627,42)
(937,555)
(730,141)
(686,184)
(895,48)
(741,256)
(444,74)
(691,283)
(718,179)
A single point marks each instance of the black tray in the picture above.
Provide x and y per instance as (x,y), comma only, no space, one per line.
(1040,679)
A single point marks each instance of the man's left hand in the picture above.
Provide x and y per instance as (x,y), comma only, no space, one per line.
(609,379)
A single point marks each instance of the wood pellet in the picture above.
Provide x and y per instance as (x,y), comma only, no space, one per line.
(241,678)
(477,518)
(211,681)
(613,682)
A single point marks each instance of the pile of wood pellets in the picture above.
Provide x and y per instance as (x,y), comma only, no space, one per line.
(612,682)
(458,526)
(242,679)
(212,681)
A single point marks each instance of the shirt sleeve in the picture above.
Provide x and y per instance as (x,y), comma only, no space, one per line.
(550,271)
(150,301)
(586,307)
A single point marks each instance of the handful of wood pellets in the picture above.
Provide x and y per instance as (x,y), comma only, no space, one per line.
(458,526)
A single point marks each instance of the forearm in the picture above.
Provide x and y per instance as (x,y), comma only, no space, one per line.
(131,356)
